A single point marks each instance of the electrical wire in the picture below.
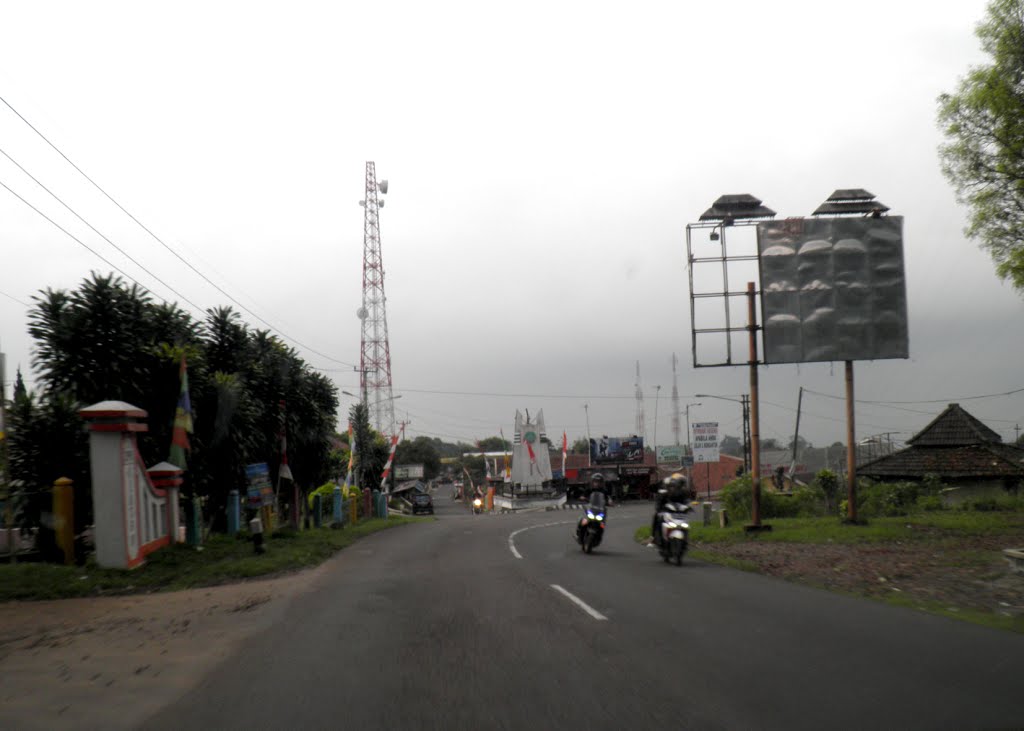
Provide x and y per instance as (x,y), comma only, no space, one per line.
(99,233)
(12,298)
(953,399)
(75,238)
(164,244)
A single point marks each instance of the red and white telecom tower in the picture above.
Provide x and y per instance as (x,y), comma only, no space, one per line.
(375,354)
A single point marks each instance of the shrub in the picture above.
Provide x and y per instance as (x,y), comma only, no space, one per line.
(881,499)
(736,497)
(806,501)
(828,482)
(326,493)
(929,503)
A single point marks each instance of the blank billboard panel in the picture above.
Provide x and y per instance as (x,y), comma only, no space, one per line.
(833,289)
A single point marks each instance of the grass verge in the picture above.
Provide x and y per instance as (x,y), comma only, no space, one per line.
(222,559)
(947,539)
(925,526)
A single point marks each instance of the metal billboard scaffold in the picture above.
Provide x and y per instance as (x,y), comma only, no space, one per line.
(832,287)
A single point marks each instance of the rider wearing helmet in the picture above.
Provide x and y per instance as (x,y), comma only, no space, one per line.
(597,500)
(674,490)
(597,484)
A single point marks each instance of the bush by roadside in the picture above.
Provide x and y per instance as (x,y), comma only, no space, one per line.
(874,499)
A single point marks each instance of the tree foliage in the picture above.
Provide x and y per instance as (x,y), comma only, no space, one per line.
(420,450)
(107,340)
(983,156)
(494,444)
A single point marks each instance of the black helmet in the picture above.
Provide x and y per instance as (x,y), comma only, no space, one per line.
(676,482)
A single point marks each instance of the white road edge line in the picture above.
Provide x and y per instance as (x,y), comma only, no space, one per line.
(513,534)
(580,603)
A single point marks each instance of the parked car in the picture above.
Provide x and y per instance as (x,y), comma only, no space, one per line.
(422,503)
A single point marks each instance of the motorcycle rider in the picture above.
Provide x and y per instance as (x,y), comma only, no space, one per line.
(674,490)
(596,500)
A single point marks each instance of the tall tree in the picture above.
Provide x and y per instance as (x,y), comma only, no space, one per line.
(420,450)
(983,156)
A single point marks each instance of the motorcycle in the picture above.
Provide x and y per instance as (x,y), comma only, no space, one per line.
(590,529)
(478,506)
(675,532)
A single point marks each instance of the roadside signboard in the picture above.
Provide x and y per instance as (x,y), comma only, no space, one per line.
(608,450)
(670,454)
(688,460)
(408,471)
(260,492)
(705,441)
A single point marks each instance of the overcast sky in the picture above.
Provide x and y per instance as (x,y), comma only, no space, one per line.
(544,159)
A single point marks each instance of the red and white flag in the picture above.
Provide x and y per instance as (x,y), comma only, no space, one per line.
(391,458)
(565,448)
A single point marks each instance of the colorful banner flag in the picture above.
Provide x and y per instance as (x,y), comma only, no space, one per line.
(284,472)
(182,422)
(351,455)
(565,448)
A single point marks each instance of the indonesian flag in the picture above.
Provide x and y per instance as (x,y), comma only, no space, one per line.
(182,422)
(391,458)
(508,468)
(565,448)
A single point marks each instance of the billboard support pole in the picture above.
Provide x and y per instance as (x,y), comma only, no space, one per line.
(851,449)
(755,420)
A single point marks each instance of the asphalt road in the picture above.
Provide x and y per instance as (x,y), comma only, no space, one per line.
(440,625)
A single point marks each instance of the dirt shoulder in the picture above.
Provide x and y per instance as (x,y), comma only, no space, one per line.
(966,577)
(137,652)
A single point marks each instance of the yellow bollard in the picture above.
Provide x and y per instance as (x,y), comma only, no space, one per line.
(64,518)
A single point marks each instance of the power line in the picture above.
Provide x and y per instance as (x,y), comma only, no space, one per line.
(100,234)
(68,233)
(164,244)
(15,299)
(953,399)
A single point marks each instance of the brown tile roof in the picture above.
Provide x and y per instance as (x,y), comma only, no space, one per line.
(954,427)
(968,461)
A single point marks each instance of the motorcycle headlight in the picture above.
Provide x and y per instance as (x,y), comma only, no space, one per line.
(590,515)
(477,502)
(600,516)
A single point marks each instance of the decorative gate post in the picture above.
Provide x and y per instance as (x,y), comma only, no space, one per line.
(167,476)
(131,516)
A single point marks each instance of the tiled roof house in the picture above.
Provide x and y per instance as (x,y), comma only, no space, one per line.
(958,448)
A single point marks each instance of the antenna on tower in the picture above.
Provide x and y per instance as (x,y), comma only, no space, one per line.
(375,353)
(675,400)
(639,404)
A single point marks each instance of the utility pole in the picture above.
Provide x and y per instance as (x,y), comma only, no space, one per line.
(675,400)
(657,393)
(5,474)
(639,404)
(586,410)
(796,434)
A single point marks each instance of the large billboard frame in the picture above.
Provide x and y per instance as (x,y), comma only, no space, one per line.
(832,288)
(726,295)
